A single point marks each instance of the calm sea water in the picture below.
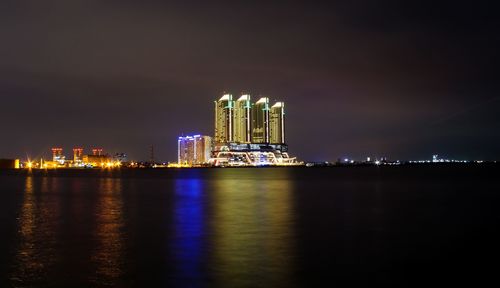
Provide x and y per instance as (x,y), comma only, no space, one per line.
(269,227)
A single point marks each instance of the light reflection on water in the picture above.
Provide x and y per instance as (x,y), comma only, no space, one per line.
(252,232)
(108,253)
(248,227)
(188,231)
(38,228)
(226,231)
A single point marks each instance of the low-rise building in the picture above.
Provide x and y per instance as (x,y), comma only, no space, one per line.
(9,163)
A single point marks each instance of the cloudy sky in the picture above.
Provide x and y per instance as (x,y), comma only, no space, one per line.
(400,79)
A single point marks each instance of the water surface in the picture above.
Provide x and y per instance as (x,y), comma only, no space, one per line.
(271,227)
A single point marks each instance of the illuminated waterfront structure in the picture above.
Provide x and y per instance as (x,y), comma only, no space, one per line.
(57,156)
(194,150)
(277,123)
(260,121)
(243,123)
(97,160)
(77,155)
(254,136)
(242,120)
(271,156)
(224,119)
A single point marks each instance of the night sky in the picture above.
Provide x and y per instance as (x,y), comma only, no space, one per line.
(400,79)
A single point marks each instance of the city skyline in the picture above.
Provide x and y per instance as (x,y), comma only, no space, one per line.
(249,143)
(244,99)
(372,78)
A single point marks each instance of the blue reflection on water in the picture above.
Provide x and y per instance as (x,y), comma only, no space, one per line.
(188,230)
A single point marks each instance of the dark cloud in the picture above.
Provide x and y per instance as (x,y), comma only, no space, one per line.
(402,79)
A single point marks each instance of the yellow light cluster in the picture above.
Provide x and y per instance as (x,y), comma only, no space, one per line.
(53,165)
(176,165)
(111,164)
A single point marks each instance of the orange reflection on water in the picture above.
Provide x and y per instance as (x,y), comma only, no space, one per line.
(108,255)
(252,231)
(38,238)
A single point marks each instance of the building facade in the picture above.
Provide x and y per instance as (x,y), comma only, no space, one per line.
(96,160)
(277,123)
(57,155)
(260,121)
(77,155)
(10,163)
(224,119)
(246,134)
(242,120)
(194,150)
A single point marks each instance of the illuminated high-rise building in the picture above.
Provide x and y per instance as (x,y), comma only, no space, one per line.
(260,121)
(224,119)
(277,123)
(203,149)
(194,150)
(246,134)
(185,150)
(242,132)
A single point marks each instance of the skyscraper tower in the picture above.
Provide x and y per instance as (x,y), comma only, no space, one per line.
(242,120)
(224,119)
(260,121)
(277,123)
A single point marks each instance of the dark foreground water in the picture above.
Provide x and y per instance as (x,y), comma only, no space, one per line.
(273,227)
